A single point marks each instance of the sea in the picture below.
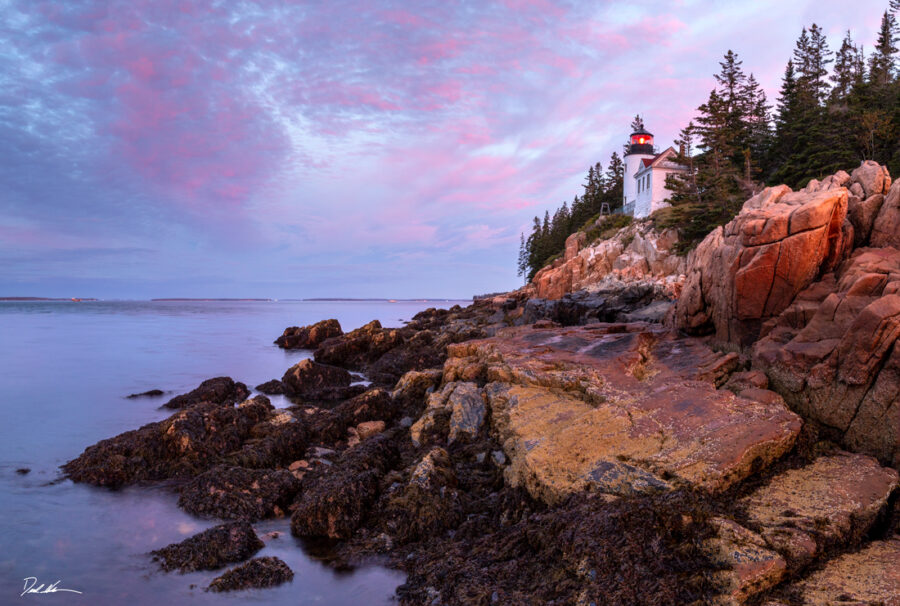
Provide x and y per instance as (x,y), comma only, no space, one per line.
(65,371)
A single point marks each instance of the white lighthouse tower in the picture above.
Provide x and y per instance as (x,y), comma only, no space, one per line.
(639,149)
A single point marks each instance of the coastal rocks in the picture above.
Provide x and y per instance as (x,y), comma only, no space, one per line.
(153,393)
(862,214)
(255,574)
(752,268)
(635,253)
(869,576)
(271,388)
(220,390)
(335,503)
(886,227)
(872,177)
(309,337)
(374,405)
(612,303)
(413,386)
(312,380)
(236,492)
(467,412)
(833,356)
(187,443)
(210,549)
(835,499)
(428,503)
(618,409)
(751,567)
(359,347)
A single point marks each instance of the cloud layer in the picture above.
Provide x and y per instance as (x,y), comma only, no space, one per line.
(275,148)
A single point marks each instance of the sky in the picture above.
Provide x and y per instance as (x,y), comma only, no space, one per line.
(267,148)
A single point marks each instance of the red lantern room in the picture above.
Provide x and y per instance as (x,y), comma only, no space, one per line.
(641,143)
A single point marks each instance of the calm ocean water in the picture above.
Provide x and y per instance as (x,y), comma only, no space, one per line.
(64,371)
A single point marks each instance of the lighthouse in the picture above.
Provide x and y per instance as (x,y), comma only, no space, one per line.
(644,184)
(639,148)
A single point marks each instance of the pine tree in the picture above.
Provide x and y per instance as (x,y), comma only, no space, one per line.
(522,263)
(882,61)
(811,59)
(846,69)
(758,127)
(637,125)
(615,174)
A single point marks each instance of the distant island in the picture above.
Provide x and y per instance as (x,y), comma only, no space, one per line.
(75,299)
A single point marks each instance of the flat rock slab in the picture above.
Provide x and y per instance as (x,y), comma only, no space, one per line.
(869,576)
(618,409)
(836,499)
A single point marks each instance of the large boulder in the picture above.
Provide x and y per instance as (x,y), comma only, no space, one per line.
(359,347)
(752,268)
(886,226)
(220,390)
(309,337)
(833,356)
(872,177)
(613,302)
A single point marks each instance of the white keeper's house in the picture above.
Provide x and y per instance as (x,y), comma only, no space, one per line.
(644,186)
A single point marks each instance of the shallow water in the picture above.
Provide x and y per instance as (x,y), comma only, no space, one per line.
(64,371)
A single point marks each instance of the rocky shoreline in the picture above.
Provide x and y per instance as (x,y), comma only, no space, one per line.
(631,428)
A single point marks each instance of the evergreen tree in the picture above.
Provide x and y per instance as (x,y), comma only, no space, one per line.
(758,127)
(615,175)
(522,263)
(637,124)
(846,69)
(882,61)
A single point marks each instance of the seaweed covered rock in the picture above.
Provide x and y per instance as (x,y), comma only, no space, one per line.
(237,493)
(359,347)
(210,549)
(589,549)
(220,390)
(271,388)
(751,269)
(255,574)
(833,356)
(411,389)
(335,503)
(187,443)
(311,380)
(427,504)
(371,405)
(309,337)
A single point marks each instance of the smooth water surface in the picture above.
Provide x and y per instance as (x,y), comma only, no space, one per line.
(64,371)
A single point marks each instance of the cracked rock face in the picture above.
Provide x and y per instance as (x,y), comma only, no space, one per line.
(618,409)
(833,355)
(752,268)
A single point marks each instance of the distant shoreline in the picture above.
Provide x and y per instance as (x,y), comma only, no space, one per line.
(187,299)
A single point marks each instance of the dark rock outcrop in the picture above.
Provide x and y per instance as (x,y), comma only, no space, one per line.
(239,493)
(309,337)
(335,504)
(220,390)
(187,443)
(606,305)
(271,388)
(255,574)
(210,549)
(153,393)
(314,381)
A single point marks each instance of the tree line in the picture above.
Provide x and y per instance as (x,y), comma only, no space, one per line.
(835,108)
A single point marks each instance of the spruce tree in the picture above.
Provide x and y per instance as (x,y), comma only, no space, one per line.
(846,69)
(882,61)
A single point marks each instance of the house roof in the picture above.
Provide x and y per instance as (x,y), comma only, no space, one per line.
(648,164)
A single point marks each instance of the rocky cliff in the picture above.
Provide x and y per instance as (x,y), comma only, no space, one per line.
(636,254)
